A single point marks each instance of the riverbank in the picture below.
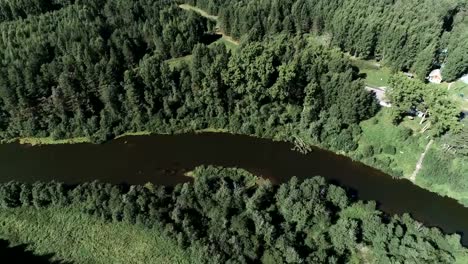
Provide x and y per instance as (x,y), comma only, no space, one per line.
(393,149)
(37,141)
(106,223)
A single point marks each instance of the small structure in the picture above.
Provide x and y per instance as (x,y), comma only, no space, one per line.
(464,79)
(435,76)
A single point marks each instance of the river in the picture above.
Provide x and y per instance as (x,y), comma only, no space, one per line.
(163,159)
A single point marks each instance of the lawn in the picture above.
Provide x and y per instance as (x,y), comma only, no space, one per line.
(376,75)
(75,237)
(379,134)
(445,173)
(459,93)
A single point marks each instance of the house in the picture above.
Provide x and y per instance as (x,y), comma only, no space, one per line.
(464,79)
(435,76)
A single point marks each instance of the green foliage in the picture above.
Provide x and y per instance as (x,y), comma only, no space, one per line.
(379,132)
(389,149)
(400,33)
(367,151)
(224,216)
(410,96)
(97,70)
(456,59)
(71,236)
(69,73)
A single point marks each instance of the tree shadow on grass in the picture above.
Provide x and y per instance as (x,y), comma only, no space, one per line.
(20,254)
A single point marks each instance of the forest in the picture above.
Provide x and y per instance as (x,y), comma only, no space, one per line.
(231,216)
(96,70)
(99,69)
(408,35)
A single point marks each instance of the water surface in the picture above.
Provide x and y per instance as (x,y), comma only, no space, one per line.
(164,159)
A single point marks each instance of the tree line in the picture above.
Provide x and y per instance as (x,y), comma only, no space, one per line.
(99,69)
(230,216)
(406,35)
(62,71)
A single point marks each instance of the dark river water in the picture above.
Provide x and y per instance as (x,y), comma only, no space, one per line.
(164,160)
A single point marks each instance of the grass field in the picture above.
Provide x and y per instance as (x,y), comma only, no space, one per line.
(78,238)
(458,92)
(445,173)
(441,172)
(379,132)
(376,76)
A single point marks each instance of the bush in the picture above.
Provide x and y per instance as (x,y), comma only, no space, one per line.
(367,151)
(389,149)
(404,133)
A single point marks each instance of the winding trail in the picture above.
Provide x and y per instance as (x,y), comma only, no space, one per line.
(211,17)
(420,162)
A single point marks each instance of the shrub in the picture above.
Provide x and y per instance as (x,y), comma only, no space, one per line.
(404,133)
(389,149)
(367,151)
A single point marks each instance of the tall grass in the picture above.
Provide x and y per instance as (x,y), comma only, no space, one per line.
(78,238)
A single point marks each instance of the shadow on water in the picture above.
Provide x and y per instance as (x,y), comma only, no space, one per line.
(20,254)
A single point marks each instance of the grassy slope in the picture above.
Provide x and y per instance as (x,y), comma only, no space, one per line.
(445,174)
(78,238)
(458,92)
(441,172)
(379,132)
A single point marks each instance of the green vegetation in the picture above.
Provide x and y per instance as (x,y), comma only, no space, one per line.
(224,216)
(459,93)
(379,133)
(78,71)
(199,11)
(375,74)
(49,141)
(76,237)
(445,172)
(404,34)
(439,114)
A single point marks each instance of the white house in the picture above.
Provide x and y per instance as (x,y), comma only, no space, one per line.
(464,79)
(435,76)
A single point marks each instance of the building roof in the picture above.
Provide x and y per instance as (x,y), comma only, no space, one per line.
(435,76)
(435,73)
(464,79)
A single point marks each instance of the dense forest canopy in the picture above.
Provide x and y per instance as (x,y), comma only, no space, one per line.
(410,35)
(99,69)
(230,216)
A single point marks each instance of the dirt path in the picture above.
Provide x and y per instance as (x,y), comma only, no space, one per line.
(420,162)
(215,18)
(199,11)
